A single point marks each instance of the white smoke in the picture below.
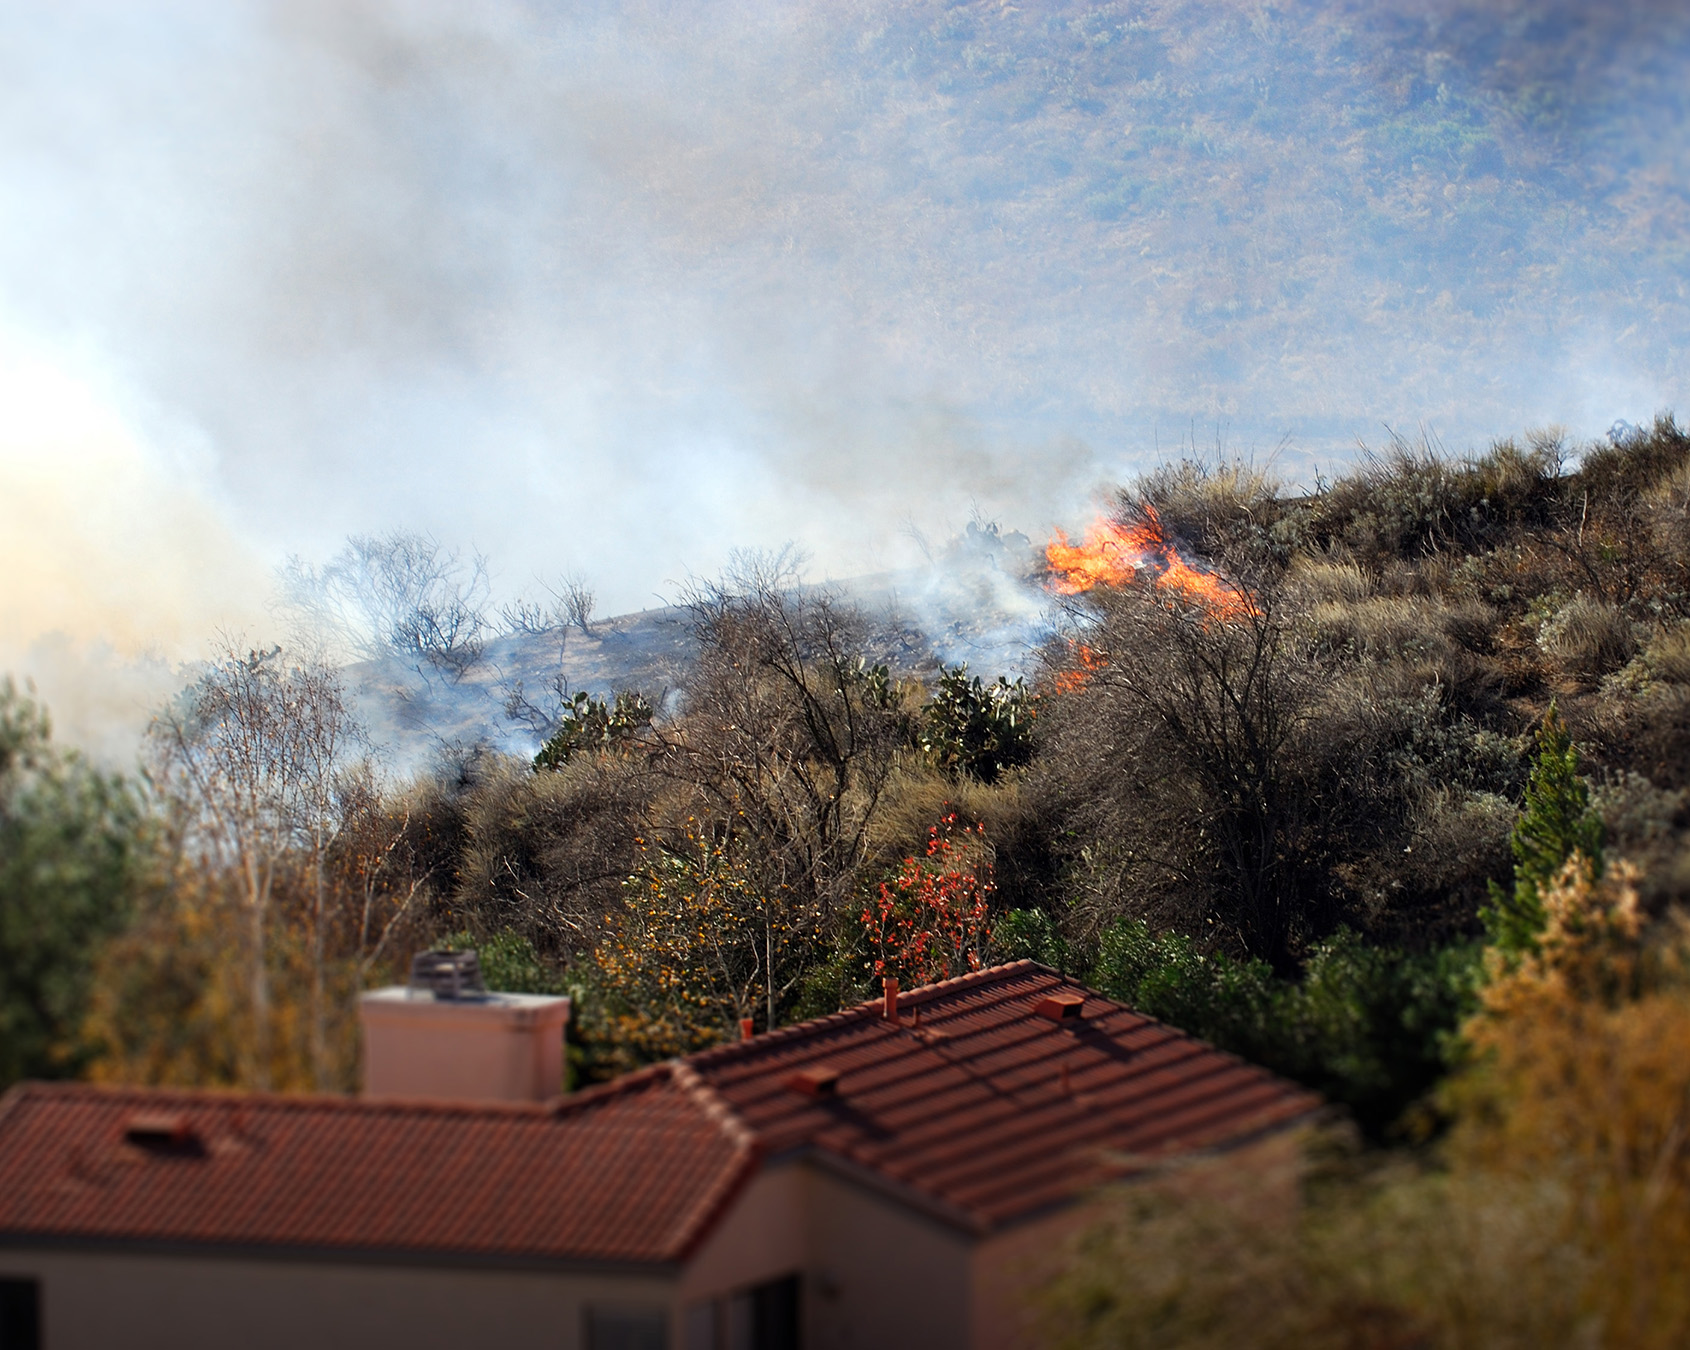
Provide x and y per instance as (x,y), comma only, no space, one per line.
(619,287)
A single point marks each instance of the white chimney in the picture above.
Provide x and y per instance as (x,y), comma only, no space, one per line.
(446,1037)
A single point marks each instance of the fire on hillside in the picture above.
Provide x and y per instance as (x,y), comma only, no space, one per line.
(1117,553)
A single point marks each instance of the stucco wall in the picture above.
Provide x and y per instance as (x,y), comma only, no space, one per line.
(886,1275)
(93,1301)
(1009,1269)
(877,1275)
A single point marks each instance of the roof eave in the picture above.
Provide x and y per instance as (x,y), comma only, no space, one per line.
(550,1262)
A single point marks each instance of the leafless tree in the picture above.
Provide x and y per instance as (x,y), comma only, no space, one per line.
(575,601)
(399,592)
(252,755)
(523,615)
(382,866)
(790,731)
(1183,764)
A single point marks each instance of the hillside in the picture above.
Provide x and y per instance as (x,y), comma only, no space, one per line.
(1285,769)
(979,602)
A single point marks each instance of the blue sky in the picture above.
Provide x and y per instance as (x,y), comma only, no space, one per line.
(621,287)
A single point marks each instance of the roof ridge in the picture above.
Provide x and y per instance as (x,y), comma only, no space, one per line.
(967,979)
(728,1049)
(712,1103)
(248,1099)
(747,1148)
(868,1008)
(566,1103)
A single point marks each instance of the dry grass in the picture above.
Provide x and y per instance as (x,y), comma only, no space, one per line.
(1412,501)
(1010,809)
(1588,638)
(1330,582)
(1211,507)
(1668,656)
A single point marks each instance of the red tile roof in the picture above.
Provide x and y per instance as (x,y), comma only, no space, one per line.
(633,1172)
(976,1106)
(987,1110)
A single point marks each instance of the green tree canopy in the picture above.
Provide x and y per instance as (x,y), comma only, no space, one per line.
(72,850)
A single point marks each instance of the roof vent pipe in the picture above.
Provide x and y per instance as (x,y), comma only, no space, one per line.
(745,1029)
(889,1010)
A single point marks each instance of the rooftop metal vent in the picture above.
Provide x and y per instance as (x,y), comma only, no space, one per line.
(453,976)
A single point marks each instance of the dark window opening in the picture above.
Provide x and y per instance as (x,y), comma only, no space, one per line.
(774,1315)
(766,1317)
(20,1314)
(627,1329)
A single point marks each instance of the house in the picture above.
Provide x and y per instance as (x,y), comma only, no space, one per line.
(893,1175)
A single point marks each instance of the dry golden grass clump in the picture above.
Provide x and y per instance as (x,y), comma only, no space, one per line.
(1668,656)
(1588,638)
(1412,500)
(1212,508)
(1331,582)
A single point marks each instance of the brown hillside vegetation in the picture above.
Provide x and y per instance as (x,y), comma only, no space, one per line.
(1261,787)
(1350,753)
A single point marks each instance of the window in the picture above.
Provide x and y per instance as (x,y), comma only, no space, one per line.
(20,1314)
(765,1317)
(627,1329)
(774,1315)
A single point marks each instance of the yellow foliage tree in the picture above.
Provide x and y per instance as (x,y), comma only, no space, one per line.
(1581,1080)
(700,945)
(1557,1213)
(171,1001)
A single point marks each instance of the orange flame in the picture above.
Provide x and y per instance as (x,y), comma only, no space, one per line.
(1113,554)
(1088,662)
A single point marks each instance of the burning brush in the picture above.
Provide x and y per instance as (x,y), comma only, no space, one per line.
(1114,553)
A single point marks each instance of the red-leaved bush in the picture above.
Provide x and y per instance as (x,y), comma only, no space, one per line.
(932,921)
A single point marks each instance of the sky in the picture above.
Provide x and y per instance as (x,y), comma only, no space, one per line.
(619,288)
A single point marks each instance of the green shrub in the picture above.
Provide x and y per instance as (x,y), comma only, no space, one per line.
(588,723)
(1031,935)
(978,729)
(1558,821)
(1370,1027)
(74,847)
(509,962)
(1168,977)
